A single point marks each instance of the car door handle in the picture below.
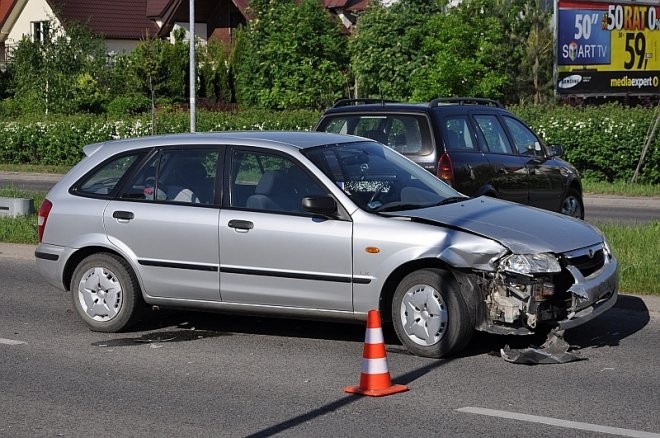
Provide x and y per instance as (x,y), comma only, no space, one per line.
(123,215)
(240,225)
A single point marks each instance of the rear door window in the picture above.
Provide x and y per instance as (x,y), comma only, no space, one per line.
(182,176)
(458,134)
(493,134)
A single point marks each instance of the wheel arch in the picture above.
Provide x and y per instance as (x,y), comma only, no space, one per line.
(395,277)
(80,255)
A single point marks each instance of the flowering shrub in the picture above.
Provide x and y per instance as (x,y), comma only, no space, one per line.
(59,141)
(604,142)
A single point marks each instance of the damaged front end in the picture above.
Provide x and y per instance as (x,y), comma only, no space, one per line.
(529,291)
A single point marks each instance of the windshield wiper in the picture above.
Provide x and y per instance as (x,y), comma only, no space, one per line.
(397,206)
(452,200)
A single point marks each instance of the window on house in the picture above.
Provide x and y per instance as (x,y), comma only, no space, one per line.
(40,31)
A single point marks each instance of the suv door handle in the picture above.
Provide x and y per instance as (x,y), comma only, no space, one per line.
(240,225)
(123,215)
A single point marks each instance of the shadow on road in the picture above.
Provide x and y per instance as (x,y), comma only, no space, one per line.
(627,317)
(344,401)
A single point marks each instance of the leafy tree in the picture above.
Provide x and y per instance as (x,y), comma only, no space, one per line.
(145,62)
(290,56)
(175,64)
(215,73)
(5,81)
(51,74)
(536,64)
(468,52)
(386,50)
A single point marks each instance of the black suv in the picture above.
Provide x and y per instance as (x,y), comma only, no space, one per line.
(473,144)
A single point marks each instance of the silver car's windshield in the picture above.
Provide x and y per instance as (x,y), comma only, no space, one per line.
(379,179)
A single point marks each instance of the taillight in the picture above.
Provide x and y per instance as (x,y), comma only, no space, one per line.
(44,211)
(445,169)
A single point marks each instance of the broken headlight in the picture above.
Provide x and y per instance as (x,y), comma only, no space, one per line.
(528,264)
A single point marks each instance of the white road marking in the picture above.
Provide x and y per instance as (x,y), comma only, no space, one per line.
(559,423)
(11,342)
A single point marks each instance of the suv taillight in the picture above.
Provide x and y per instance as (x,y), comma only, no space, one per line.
(44,210)
(445,169)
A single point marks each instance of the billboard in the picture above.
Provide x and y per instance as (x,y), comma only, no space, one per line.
(607,48)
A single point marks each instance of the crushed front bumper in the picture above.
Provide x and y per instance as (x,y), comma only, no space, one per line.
(592,295)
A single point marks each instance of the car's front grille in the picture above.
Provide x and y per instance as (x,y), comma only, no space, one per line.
(587,260)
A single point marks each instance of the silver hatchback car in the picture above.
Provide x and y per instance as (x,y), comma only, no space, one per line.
(311,225)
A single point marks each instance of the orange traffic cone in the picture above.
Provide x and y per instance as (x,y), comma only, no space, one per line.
(375,379)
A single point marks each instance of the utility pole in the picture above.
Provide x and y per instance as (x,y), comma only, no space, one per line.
(193,78)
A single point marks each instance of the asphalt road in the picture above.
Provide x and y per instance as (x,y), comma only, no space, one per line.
(202,375)
(598,209)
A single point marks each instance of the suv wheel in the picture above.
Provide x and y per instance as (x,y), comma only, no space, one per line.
(429,314)
(105,293)
(572,204)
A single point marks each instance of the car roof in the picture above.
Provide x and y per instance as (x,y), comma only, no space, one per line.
(440,104)
(295,139)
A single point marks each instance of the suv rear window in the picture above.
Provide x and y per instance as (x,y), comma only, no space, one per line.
(408,134)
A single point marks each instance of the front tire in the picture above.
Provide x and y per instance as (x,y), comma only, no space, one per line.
(105,293)
(572,204)
(429,314)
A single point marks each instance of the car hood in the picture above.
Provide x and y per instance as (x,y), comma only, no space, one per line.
(520,228)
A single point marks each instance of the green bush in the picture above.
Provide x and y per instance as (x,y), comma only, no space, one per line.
(129,105)
(59,140)
(604,142)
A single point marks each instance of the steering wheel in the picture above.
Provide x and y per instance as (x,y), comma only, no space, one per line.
(377,193)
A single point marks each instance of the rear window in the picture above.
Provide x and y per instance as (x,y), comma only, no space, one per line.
(408,134)
(102,181)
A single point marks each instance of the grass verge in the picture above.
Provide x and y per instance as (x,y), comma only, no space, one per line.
(620,188)
(637,248)
(34,168)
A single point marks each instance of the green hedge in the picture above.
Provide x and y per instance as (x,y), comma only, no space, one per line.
(603,142)
(59,140)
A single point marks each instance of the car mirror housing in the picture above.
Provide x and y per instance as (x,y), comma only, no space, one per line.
(556,150)
(323,205)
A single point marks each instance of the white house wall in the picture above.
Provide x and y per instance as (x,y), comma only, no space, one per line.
(200,31)
(35,10)
(120,46)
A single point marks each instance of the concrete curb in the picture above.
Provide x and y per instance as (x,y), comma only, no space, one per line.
(592,200)
(633,302)
(30,176)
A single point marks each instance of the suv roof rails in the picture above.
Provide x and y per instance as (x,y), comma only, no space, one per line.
(466,101)
(347,102)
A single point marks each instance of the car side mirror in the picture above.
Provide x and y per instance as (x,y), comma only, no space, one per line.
(322,205)
(556,150)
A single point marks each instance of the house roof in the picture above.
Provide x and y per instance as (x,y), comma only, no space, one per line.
(156,8)
(350,5)
(117,19)
(5,8)
(132,19)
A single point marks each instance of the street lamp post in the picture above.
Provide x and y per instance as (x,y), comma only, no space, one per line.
(193,78)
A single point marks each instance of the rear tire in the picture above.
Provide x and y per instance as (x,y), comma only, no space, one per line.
(105,293)
(429,314)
